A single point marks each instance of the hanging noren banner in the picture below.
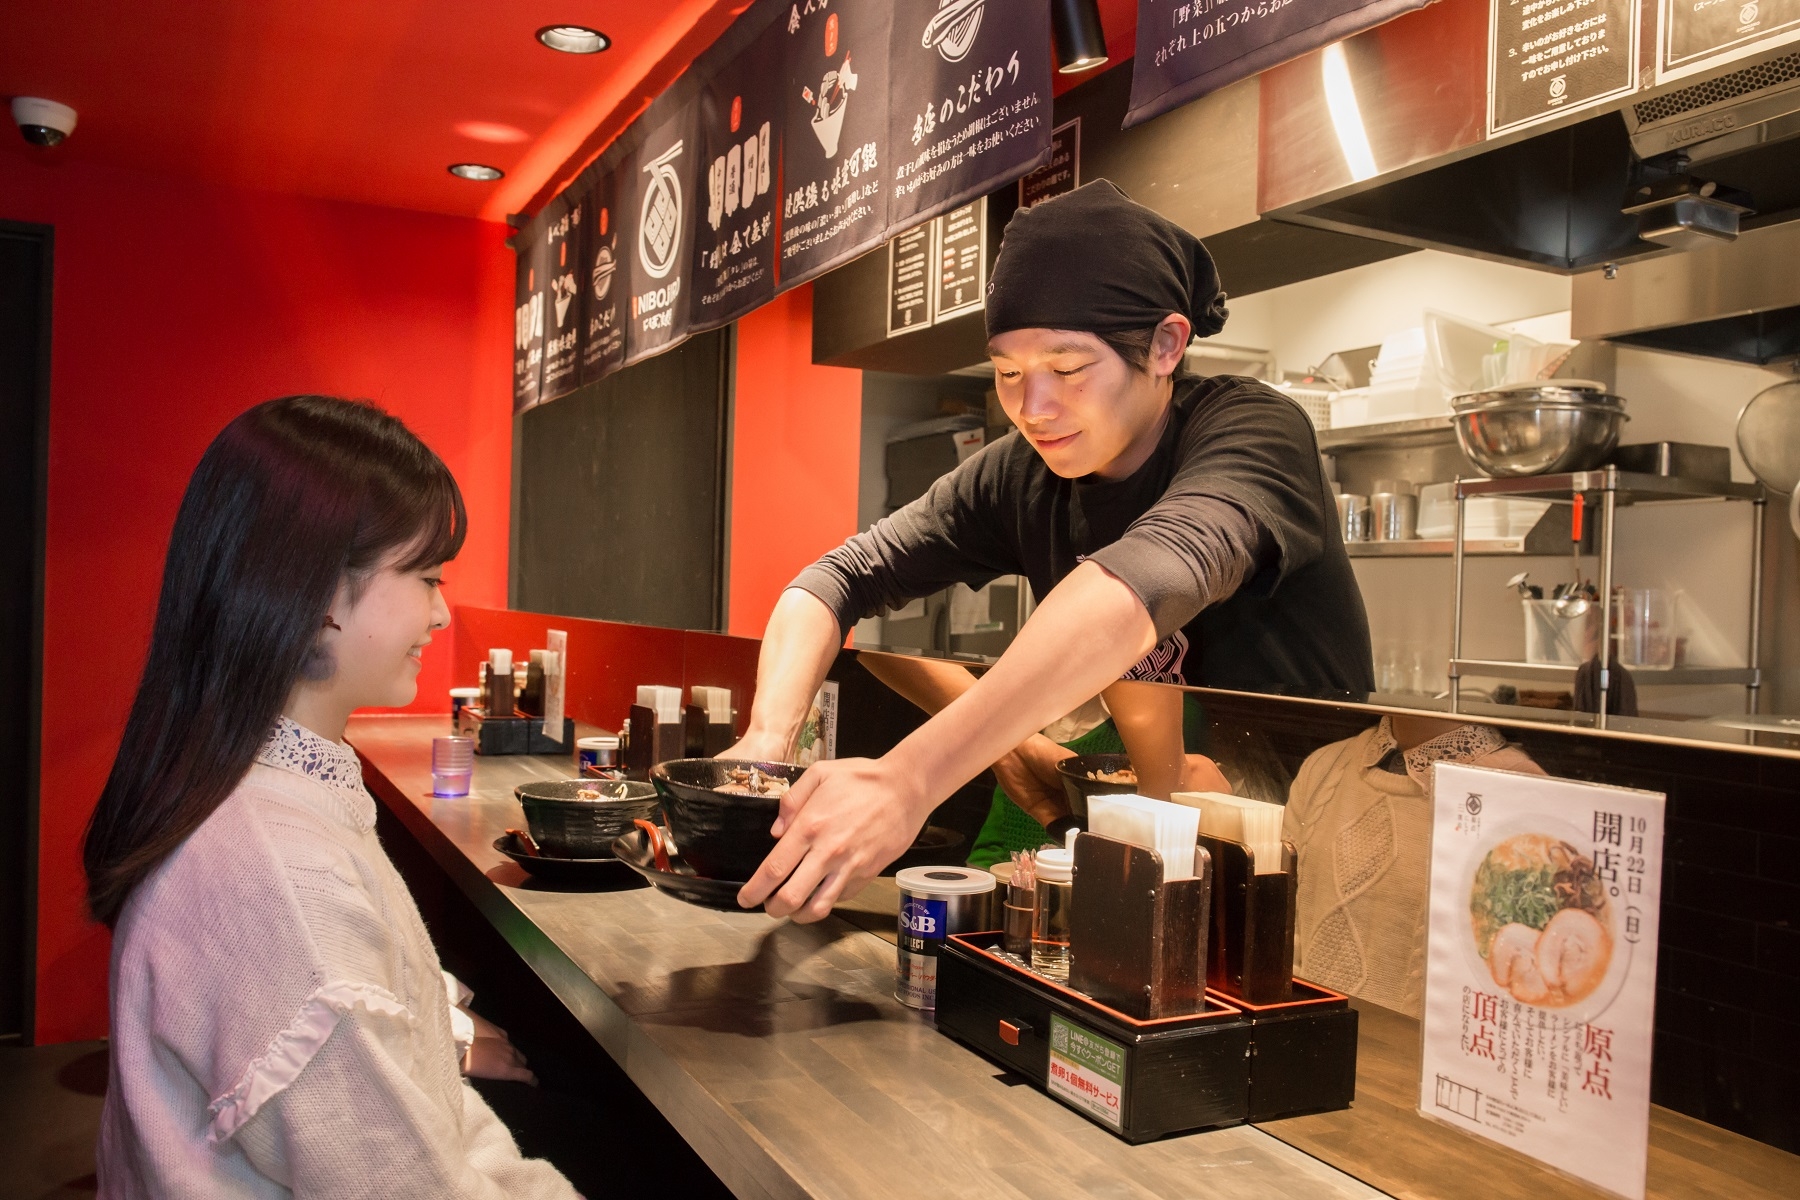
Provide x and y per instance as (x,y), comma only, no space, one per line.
(809,133)
(1190,48)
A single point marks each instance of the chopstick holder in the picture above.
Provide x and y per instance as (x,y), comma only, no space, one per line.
(1253,917)
(1138,943)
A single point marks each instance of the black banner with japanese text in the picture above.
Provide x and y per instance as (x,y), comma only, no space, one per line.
(740,137)
(834,147)
(1187,48)
(970,100)
(808,133)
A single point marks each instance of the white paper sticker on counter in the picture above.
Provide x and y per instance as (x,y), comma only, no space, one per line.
(1541,975)
(1087,1072)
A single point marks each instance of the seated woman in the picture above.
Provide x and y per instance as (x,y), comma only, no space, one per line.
(280,1025)
(1359,815)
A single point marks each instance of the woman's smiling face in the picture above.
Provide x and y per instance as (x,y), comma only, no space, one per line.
(1081,406)
(382,633)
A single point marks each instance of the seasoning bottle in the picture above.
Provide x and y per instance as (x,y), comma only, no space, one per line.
(1055,894)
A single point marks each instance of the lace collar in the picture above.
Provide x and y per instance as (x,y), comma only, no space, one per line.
(332,765)
(1465,743)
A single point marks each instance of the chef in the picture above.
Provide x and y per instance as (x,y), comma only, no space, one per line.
(1174,529)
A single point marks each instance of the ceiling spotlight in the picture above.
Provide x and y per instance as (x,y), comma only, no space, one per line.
(1080,41)
(477,171)
(573,39)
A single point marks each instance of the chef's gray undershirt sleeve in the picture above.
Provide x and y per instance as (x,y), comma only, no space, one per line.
(1180,558)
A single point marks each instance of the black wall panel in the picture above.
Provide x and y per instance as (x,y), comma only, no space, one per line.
(619,494)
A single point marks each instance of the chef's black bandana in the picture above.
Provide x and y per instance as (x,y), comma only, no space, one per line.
(1095,261)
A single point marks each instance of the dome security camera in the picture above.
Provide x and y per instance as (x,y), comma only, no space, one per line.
(43,122)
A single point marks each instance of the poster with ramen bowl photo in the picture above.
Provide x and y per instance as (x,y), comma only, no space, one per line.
(1540,977)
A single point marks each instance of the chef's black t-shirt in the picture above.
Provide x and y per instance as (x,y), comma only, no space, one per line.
(1297,623)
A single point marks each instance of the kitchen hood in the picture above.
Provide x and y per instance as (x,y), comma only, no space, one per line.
(1738,300)
(1690,164)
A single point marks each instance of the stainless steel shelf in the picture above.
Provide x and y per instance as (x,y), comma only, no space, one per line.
(1629,487)
(1642,676)
(1389,433)
(1440,548)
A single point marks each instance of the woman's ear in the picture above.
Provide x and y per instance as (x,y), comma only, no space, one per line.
(1168,345)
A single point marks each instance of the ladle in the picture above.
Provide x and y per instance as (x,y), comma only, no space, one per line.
(1574,602)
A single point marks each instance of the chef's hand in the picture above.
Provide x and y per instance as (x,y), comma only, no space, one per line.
(839,826)
(1027,774)
(493,1056)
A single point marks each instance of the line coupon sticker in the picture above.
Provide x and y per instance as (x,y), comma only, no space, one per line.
(1087,1072)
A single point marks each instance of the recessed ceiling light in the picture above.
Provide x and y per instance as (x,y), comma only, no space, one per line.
(477,171)
(573,39)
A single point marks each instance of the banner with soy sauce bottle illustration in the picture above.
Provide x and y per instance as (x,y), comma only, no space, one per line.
(834,147)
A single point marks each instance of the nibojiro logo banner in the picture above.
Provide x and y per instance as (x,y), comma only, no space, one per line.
(659,223)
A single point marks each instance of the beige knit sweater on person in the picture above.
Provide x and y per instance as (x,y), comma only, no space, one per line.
(1363,838)
(279,1021)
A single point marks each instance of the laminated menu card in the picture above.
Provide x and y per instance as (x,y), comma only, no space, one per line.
(1541,968)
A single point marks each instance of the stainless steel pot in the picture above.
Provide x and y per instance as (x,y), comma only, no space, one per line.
(1539,428)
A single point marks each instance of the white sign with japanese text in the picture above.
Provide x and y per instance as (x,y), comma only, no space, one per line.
(1540,983)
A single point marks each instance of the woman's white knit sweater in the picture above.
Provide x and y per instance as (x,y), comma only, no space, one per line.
(279,1023)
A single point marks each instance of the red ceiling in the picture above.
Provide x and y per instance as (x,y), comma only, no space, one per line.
(352,100)
(343,99)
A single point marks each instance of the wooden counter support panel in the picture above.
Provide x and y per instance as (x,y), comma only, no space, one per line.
(777,1050)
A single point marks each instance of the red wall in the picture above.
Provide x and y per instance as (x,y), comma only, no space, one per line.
(795,457)
(177,305)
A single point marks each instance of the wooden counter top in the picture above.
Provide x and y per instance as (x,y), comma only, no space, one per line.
(778,1051)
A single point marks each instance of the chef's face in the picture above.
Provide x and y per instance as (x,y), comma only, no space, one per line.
(1082,407)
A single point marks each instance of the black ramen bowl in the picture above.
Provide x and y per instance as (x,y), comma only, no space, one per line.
(1078,787)
(720,834)
(566,825)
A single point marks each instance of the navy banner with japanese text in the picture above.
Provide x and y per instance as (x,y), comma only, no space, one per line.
(1187,48)
(809,133)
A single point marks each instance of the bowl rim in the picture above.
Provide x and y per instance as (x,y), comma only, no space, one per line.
(520,795)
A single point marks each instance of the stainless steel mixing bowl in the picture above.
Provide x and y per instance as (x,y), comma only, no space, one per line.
(1539,429)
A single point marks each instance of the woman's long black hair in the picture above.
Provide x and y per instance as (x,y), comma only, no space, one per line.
(291,498)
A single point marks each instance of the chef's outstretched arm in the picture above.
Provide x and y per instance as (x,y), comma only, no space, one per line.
(799,645)
(848,818)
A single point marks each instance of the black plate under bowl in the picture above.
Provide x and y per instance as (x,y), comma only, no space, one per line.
(553,869)
(722,836)
(679,881)
(1078,787)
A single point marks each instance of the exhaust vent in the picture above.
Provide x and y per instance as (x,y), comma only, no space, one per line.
(1753,106)
(1770,74)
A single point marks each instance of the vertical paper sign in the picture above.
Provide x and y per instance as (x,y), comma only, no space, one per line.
(561,256)
(971,100)
(606,283)
(1187,48)
(1541,974)
(1062,173)
(663,175)
(961,276)
(909,278)
(734,222)
(528,326)
(1547,58)
(834,142)
(1693,35)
